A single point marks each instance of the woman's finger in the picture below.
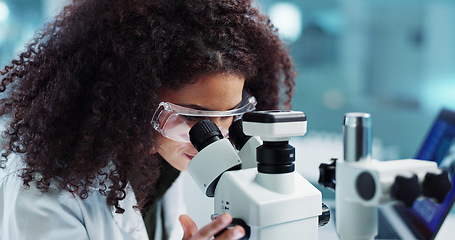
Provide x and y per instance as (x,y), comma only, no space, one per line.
(236,232)
(214,227)
(220,223)
(188,225)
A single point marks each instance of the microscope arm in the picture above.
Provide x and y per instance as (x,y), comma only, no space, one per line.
(378,182)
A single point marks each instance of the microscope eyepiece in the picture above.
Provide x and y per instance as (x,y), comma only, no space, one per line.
(204,133)
(237,136)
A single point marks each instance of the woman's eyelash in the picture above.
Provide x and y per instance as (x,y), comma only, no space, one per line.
(196,118)
(193,118)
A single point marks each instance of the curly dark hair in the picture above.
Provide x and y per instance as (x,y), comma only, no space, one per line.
(79,100)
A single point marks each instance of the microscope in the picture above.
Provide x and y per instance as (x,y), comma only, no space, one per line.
(257,183)
(363,183)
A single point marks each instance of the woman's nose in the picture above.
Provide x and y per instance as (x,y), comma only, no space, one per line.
(221,122)
(216,120)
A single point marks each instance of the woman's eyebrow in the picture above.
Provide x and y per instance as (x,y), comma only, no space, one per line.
(198,107)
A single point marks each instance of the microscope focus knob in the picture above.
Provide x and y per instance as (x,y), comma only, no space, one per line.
(406,190)
(324,218)
(235,222)
(436,186)
(327,174)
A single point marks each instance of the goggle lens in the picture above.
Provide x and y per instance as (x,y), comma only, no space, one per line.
(177,127)
(174,121)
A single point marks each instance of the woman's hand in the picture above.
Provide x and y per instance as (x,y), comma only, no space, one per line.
(207,232)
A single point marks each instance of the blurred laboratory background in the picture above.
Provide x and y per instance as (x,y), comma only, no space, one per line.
(394,59)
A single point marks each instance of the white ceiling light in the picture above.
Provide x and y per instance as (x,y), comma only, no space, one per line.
(4,11)
(287,18)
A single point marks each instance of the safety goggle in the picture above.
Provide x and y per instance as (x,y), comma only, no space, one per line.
(174,121)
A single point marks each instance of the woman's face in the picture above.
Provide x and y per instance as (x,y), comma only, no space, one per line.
(218,92)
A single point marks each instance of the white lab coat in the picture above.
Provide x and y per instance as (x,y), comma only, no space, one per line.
(31,214)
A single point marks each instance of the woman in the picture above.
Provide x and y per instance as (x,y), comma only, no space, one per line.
(93,146)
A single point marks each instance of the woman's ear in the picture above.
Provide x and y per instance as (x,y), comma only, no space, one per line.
(153,150)
(156,143)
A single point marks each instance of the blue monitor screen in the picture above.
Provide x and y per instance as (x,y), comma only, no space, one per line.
(439,146)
